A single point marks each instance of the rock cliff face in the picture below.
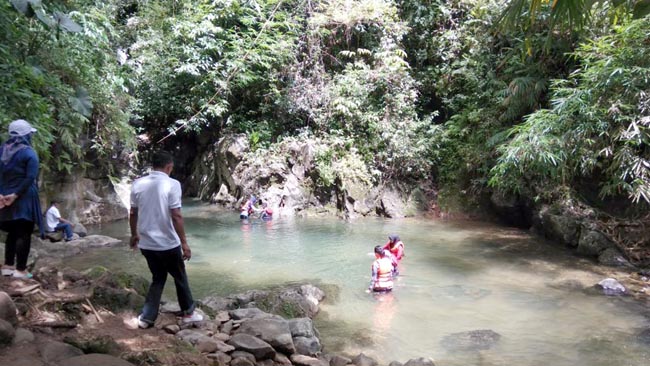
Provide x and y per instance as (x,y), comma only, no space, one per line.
(85,198)
(289,176)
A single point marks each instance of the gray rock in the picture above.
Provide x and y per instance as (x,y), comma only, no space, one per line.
(208,345)
(338,360)
(363,360)
(170,307)
(223,347)
(307,346)
(222,316)
(245,342)
(302,327)
(593,243)
(217,303)
(94,359)
(243,354)
(227,327)
(274,331)
(471,341)
(562,228)
(395,363)
(392,204)
(302,360)
(221,358)
(313,295)
(247,313)
(80,230)
(419,362)
(222,337)
(23,336)
(8,309)
(172,328)
(611,287)
(53,352)
(613,257)
(7,333)
(264,363)
(281,359)
(239,361)
(192,336)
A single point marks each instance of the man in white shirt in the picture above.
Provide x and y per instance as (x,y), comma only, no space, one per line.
(54,221)
(157,229)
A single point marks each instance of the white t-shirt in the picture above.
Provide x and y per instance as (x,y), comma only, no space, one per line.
(154,196)
(52,217)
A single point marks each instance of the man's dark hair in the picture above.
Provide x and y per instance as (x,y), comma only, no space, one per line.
(161,158)
(379,250)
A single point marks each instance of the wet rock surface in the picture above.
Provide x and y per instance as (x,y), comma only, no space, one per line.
(474,340)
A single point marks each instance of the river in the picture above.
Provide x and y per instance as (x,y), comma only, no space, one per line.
(455,277)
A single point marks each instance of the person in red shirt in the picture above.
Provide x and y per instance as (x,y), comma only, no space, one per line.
(395,247)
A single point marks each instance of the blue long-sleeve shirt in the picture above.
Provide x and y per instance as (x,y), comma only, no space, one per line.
(20,176)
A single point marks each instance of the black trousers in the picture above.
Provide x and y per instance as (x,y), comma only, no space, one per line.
(19,242)
(160,264)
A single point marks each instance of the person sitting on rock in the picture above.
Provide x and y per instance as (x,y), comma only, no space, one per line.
(54,222)
(248,208)
(395,246)
(382,272)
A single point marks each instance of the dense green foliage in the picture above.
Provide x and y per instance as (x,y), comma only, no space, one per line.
(59,72)
(470,95)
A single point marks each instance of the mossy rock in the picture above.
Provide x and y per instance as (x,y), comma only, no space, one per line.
(95,272)
(135,282)
(116,299)
(99,344)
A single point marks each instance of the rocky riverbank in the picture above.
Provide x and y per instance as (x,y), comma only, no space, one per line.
(69,318)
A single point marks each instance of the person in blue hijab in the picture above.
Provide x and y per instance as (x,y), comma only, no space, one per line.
(20,207)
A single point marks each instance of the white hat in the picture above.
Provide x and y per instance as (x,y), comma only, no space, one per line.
(20,127)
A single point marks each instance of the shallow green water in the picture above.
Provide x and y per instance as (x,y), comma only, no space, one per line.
(455,277)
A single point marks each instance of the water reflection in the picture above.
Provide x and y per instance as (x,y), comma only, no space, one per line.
(455,277)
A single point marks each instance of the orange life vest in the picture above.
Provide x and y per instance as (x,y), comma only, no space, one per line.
(384,275)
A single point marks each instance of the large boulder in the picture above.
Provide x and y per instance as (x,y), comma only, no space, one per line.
(363,360)
(116,299)
(302,327)
(593,243)
(217,303)
(248,313)
(392,204)
(248,343)
(613,257)
(561,227)
(302,360)
(8,309)
(307,346)
(54,351)
(474,340)
(94,359)
(419,362)
(7,333)
(274,331)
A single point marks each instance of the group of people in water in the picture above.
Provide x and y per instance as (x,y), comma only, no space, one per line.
(386,265)
(387,257)
(253,206)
